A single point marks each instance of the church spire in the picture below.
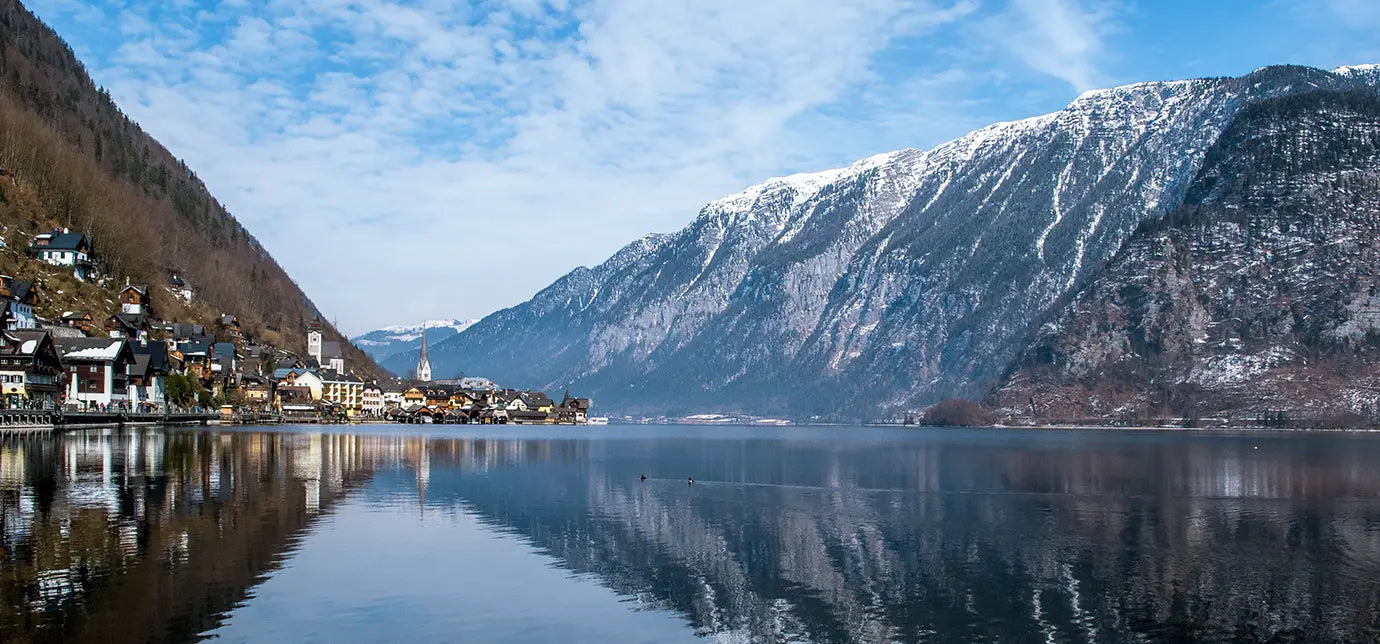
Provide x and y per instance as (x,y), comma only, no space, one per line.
(423,365)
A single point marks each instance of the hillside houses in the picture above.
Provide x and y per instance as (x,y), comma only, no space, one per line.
(64,248)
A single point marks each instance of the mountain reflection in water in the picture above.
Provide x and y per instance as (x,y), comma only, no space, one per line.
(795,534)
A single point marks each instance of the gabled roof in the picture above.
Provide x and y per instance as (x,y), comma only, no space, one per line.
(58,240)
(73,316)
(157,354)
(94,349)
(22,291)
(226,349)
(25,342)
(137,288)
(194,347)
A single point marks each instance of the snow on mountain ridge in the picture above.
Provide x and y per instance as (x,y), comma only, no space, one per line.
(907,275)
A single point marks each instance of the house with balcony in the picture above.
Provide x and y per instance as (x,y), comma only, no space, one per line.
(64,248)
(97,371)
(30,369)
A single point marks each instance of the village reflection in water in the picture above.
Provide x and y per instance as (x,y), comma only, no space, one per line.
(785,534)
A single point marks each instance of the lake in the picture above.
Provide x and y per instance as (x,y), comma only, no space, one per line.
(440,534)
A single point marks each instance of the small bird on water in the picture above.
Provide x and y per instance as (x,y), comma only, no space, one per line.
(690,481)
(644,477)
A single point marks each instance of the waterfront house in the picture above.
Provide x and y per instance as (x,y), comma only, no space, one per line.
(537,401)
(393,399)
(30,369)
(572,410)
(97,370)
(18,297)
(437,397)
(344,390)
(258,390)
(414,396)
(64,248)
(300,377)
(148,373)
(224,360)
(372,398)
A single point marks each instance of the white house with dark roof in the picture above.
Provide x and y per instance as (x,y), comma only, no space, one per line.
(97,370)
(64,248)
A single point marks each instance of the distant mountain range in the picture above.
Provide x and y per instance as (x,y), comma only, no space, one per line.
(388,342)
(914,276)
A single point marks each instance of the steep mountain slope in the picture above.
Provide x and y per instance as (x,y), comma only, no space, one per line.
(384,343)
(1259,297)
(902,279)
(72,158)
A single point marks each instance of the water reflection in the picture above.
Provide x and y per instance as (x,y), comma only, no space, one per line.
(786,535)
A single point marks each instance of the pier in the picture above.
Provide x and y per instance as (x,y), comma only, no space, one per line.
(19,421)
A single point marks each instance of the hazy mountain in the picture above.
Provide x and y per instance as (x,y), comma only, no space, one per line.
(902,279)
(387,342)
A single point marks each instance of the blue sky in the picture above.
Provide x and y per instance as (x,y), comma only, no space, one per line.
(466,155)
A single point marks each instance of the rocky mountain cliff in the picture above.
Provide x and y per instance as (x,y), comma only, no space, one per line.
(900,280)
(1259,297)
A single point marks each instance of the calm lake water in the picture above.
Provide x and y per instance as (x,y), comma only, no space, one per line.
(830,535)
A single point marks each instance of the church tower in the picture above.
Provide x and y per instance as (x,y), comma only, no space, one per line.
(423,365)
(314,340)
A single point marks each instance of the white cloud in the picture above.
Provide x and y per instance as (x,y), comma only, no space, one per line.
(450,159)
(1061,38)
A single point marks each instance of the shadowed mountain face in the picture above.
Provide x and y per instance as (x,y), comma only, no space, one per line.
(1257,297)
(905,278)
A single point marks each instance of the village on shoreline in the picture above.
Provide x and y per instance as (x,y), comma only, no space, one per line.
(134,362)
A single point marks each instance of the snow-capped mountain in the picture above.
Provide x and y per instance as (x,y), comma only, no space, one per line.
(899,280)
(1259,297)
(382,344)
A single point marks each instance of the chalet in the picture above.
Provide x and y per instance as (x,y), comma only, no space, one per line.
(538,401)
(148,373)
(290,397)
(131,326)
(97,370)
(30,369)
(231,325)
(414,396)
(572,410)
(180,288)
(78,320)
(196,358)
(224,360)
(64,248)
(258,390)
(437,397)
(393,399)
(134,299)
(299,377)
(18,298)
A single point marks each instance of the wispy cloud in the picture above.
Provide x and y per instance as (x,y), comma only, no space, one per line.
(1062,38)
(467,154)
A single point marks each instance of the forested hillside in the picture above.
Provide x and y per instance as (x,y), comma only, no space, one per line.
(71,158)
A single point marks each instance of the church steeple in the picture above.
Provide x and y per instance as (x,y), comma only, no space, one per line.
(423,365)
